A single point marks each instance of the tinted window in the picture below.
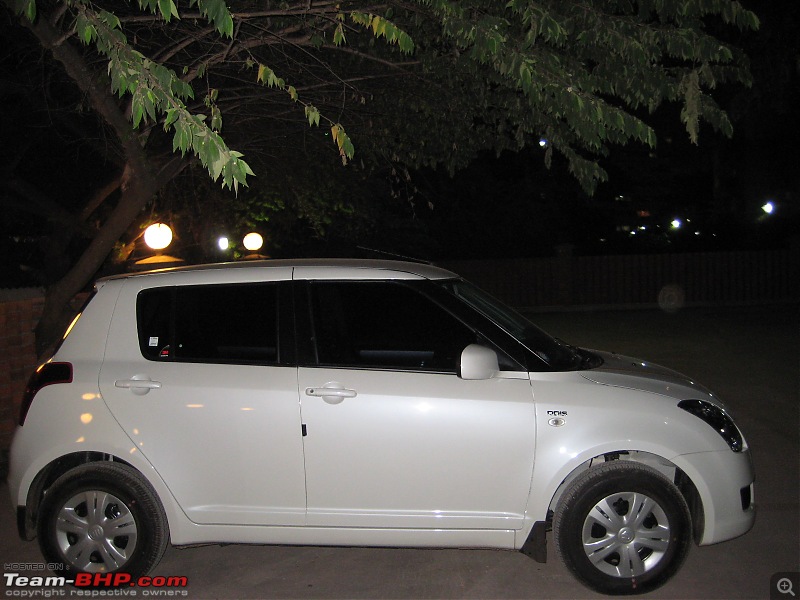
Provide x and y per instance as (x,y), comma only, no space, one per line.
(384,324)
(558,355)
(215,323)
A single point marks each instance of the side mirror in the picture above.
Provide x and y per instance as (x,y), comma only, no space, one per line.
(478,362)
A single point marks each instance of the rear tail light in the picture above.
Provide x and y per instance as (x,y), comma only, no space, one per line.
(47,374)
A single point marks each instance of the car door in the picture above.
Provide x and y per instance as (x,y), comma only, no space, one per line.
(395,438)
(209,396)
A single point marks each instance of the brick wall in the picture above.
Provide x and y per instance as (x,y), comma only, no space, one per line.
(18,318)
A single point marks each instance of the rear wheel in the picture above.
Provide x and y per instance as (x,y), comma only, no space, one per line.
(622,528)
(102,518)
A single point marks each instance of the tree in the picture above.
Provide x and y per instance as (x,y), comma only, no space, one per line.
(416,82)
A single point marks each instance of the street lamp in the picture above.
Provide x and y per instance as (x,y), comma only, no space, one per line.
(158,236)
(253,241)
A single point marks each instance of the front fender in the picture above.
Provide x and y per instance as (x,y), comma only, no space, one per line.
(578,420)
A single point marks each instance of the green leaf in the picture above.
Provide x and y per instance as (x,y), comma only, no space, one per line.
(525,77)
(84,28)
(168,9)
(405,42)
(338,35)
(217,13)
(312,114)
(267,77)
(109,19)
(382,27)
(216,119)
(24,7)
(343,142)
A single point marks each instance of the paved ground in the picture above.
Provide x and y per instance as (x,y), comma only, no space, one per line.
(749,356)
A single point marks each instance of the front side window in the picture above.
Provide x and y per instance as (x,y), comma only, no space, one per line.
(213,323)
(384,324)
(555,353)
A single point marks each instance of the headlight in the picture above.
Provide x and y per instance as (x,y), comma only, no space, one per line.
(718,419)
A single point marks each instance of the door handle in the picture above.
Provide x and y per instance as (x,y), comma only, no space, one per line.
(332,392)
(138,384)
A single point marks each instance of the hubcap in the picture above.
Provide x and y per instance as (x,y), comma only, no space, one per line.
(626,534)
(96,532)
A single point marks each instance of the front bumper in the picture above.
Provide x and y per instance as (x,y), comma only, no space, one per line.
(725,484)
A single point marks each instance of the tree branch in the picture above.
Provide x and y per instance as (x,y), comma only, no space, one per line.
(33,200)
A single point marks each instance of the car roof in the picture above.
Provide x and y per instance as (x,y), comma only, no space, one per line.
(346,268)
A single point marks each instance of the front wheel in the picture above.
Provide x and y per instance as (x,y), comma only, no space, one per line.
(622,528)
(102,518)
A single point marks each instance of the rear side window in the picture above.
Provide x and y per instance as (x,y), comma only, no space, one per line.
(212,323)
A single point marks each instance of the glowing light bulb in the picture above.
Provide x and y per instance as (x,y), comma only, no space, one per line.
(158,236)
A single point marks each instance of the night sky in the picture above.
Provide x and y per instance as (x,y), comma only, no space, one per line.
(505,206)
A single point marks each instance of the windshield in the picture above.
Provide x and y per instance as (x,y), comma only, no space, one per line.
(558,355)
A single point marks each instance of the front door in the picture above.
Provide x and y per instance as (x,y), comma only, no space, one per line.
(395,438)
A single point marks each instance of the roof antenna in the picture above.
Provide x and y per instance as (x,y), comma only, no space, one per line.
(395,255)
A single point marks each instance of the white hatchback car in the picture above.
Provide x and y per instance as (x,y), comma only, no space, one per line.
(368,403)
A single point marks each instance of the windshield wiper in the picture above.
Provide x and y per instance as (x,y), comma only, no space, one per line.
(581,358)
(589,360)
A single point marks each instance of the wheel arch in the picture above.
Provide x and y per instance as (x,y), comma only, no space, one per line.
(532,541)
(28,515)
(102,517)
(666,467)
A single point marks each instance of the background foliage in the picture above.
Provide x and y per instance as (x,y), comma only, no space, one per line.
(278,92)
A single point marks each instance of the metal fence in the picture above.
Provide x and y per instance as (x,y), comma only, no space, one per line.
(668,280)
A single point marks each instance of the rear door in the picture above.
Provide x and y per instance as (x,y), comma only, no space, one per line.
(203,380)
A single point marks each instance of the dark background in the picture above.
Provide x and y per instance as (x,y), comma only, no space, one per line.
(499,207)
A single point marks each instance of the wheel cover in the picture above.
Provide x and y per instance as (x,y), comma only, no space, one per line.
(626,534)
(96,532)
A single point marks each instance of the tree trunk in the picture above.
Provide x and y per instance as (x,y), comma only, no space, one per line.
(137,190)
(139,181)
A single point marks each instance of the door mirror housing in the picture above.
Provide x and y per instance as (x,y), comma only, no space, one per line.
(478,362)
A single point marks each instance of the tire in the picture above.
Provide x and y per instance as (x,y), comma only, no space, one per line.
(622,528)
(80,509)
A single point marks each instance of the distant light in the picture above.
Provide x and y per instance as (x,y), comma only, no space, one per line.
(223,243)
(676,223)
(158,236)
(253,241)
(543,143)
(768,208)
